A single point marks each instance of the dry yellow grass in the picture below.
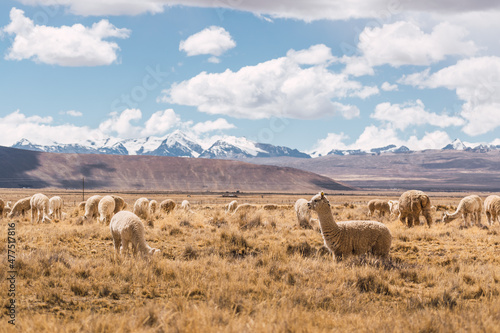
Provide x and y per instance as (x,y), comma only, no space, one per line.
(255,272)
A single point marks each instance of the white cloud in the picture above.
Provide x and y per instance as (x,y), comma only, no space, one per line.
(315,55)
(279,87)
(373,137)
(400,116)
(16,126)
(72,113)
(213,40)
(302,10)
(210,126)
(74,45)
(160,122)
(386,86)
(476,81)
(121,124)
(404,43)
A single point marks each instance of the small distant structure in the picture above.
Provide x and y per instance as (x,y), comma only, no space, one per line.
(230,195)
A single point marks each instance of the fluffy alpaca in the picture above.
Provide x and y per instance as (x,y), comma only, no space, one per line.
(81,206)
(492,208)
(106,208)
(126,227)
(231,207)
(153,206)
(186,205)
(377,204)
(245,208)
(120,203)
(20,207)
(92,207)
(411,204)
(350,237)
(303,214)
(141,208)
(167,205)
(39,208)
(469,207)
(55,207)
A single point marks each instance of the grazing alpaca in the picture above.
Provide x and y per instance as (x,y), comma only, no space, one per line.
(141,208)
(303,214)
(20,207)
(126,227)
(231,207)
(55,207)
(377,204)
(492,208)
(469,207)
(39,208)
(92,207)
(167,205)
(350,237)
(106,209)
(411,204)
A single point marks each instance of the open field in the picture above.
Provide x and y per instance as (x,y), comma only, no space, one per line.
(255,272)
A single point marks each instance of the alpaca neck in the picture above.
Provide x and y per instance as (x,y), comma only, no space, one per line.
(326,220)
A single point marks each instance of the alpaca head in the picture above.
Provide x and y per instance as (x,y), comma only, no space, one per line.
(446,217)
(318,201)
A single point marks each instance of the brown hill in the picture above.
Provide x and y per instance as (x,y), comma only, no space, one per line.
(22,168)
(430,170)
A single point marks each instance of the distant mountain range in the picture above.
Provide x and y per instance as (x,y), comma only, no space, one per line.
(179,144)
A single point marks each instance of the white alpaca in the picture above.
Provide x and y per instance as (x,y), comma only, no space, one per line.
(469,207)
(492,208)
(245,208)
(303,214)
(350,237)
(20,207)
(106,209)
(153,206)
(377,204)
(55,207)
(141,208)
(185,205)
(231,207)
(39,208)
(411,204)
(126,227)
(120,203)
(167,205)
(92,207)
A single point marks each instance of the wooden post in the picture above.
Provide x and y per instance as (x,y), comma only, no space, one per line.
(83,189)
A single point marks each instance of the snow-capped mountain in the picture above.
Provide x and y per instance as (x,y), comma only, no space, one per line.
(176,143)
(457,144)
(373,151)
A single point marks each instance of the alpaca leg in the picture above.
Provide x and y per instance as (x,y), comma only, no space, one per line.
(33,215)
(488,217)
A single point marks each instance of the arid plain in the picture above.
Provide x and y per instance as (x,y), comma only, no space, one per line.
(251,272)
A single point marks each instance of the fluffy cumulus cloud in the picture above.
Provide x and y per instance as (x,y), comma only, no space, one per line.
(302,10)
(210,126)
(401,116)
(476,81)
(405,43)
(281,87)
(74,45)
(16,126)
(386,86)
(213,41)
(374,136)
(125,125)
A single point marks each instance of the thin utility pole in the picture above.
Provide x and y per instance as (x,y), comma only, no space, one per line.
(83,189)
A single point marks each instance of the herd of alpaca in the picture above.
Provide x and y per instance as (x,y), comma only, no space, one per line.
(342,239)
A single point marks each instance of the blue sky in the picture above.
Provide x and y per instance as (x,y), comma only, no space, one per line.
(312,75)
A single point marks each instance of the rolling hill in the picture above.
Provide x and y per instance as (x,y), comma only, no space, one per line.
(31,169)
